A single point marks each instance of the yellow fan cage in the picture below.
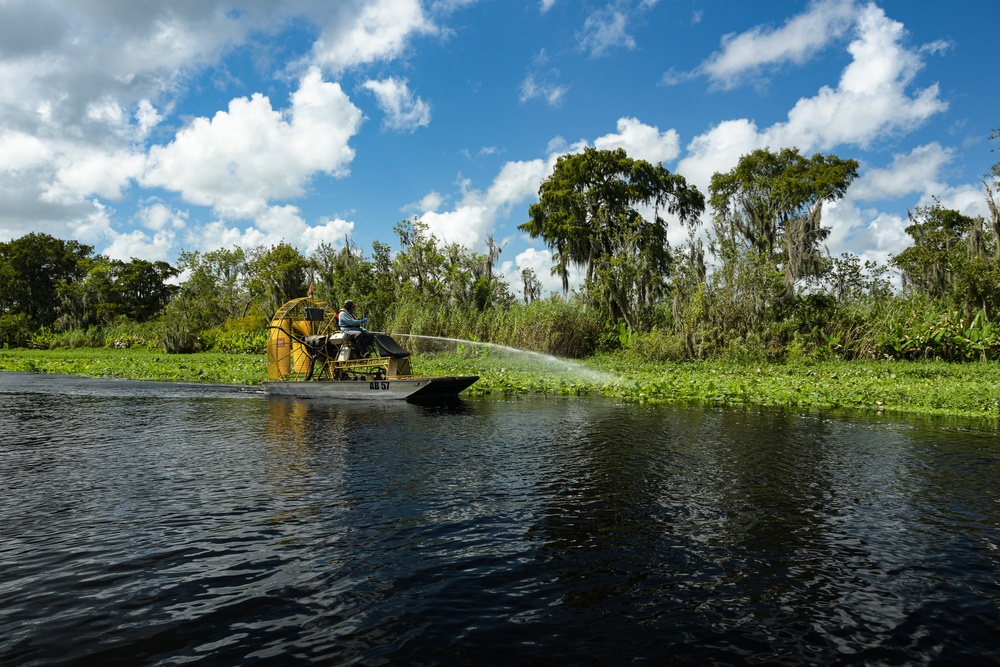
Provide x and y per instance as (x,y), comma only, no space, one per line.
(287,355)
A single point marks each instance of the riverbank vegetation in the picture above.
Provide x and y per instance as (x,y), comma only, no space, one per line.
(874,387)
(915,387)
(751,288)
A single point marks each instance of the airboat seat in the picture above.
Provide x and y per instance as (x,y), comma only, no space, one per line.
(387,347)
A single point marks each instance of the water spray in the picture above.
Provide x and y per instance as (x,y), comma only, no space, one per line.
(551,360)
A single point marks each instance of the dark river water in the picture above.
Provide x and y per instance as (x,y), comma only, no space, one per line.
(162,524)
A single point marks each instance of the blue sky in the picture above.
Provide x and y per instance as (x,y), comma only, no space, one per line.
(148,127)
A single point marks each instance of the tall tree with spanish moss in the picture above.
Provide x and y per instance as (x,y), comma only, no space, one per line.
(606,213)
(771,204)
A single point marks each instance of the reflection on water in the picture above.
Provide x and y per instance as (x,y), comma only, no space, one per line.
(167,524)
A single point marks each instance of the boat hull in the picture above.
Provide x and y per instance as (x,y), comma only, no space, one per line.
(410,388)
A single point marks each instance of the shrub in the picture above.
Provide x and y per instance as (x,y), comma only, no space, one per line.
(16,329)
(949,336)
(243,335)
(657,345)
(236,342)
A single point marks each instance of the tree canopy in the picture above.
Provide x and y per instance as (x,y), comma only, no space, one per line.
(952,259)
(604,212)
(771,205)
(31,270)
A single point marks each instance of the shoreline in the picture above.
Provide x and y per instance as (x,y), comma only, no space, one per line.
(899,387)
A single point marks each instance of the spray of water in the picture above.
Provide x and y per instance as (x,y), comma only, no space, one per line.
(548,361)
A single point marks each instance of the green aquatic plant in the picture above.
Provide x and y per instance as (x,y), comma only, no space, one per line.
(927,386)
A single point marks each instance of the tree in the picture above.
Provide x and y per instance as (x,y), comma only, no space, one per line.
(344,274)
(591,213)
(994,208)
(849,281)
(488,291)
(419,264)
(952,259)
(468,281)
(225,284)
(136,290)
(277,274)
(939,236)
(532,287)
(215,290)
(992,184)
(217,286)
(689,290)
(771,205)
(995,169)
(141,289)
(31,270)
(385,284)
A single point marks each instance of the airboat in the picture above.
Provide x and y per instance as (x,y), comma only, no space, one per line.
(308,356)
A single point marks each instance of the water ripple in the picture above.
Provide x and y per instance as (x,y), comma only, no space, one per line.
(179,525)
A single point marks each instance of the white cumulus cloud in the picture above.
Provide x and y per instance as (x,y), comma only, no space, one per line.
(872,100)
(641,141)
(917,171)
(475,215)
(403,111)
(86,83)
(802,36)
(359,33)
(239,160)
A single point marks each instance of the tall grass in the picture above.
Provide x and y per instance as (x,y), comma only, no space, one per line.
(246,335)
(554,326)
(123,334)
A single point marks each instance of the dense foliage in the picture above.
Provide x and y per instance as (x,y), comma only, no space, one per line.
(50,283)
(589,213)
(756,285)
